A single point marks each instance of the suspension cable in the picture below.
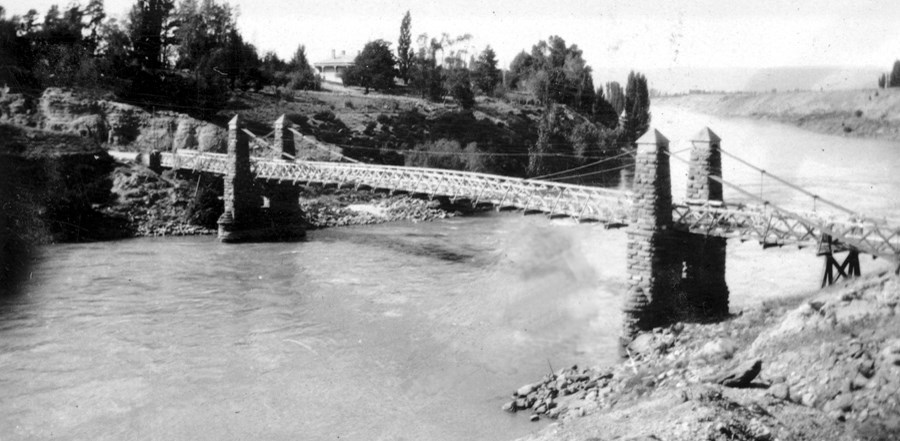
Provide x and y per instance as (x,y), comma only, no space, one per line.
(316,144)
(607,170)
(789,184)
(583,166)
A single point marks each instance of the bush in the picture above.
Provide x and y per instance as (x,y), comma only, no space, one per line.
(205,208)
(443,153)
(325,115)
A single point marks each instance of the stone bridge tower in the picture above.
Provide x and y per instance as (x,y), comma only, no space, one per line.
(255,211)
(673,274)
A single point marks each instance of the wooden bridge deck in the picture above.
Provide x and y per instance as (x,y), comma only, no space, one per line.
(769,225)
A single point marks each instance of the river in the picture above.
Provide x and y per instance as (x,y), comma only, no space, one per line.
(400,331)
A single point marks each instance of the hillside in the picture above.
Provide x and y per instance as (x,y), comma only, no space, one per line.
(682,79)
(859,113)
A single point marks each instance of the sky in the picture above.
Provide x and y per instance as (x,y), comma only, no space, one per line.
(614,35)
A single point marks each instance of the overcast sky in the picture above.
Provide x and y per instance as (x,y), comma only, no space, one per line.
(633,34)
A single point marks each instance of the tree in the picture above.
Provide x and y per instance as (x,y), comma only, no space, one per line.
(882,81)
(603,111)
(519,70)
(425,77)
(459,87)
(616,96)
(149,31)
(552,152)
(637,106)
(303,75)
(373,67)
(554,72)
(894,80)
(404,51)
(485,74)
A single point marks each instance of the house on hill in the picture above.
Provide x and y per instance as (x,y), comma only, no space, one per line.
(332,69)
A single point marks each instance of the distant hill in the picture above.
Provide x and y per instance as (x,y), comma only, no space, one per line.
(684,79)
(860,113)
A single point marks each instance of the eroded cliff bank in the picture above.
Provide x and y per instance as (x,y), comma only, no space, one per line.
(871,113)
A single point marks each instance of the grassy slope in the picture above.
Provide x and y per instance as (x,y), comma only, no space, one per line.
(863,113)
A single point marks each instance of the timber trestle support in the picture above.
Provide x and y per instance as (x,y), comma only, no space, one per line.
(834,269)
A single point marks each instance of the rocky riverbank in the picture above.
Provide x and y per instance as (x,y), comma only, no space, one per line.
(873,113)
(822,366)
(170,204)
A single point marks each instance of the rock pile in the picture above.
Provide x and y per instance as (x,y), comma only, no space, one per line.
(324,212)
(153,205)
(556,394)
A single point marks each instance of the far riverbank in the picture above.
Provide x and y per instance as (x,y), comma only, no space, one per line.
(867,113)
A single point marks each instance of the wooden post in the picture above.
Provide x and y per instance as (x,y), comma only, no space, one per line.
(847,269)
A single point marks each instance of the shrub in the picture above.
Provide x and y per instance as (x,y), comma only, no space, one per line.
(325,115)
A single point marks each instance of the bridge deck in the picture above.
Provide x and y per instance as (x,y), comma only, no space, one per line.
(765,224)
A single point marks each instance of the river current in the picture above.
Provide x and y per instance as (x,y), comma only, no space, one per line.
(400,331)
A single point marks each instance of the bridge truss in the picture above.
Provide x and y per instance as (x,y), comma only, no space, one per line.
(769,224)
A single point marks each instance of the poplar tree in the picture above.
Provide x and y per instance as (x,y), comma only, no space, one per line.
(616,97)
(404,51)
(637,106)
(894,80)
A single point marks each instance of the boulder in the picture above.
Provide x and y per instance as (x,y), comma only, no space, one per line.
(740,376)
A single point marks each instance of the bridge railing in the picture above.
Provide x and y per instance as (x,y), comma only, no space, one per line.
(766,224)
(580,202)
(774,226)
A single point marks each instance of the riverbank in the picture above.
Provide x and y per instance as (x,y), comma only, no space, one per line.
(184,204)
(827,367)
(873,113)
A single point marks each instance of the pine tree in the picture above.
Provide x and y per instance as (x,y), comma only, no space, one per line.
(404,52)
(485,74)
(149,30)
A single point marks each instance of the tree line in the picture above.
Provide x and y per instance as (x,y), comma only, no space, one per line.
(187,56)
(552,73)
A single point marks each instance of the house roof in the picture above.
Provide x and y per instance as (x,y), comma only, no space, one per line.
(345,60)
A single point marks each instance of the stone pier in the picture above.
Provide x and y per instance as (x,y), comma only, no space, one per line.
(246,218)
(651,270)
(673,275)
(703,257)
(284,206)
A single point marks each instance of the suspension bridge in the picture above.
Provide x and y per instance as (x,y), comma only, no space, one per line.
(672,243)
